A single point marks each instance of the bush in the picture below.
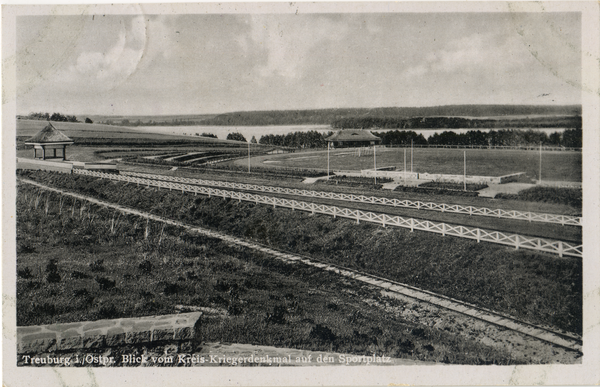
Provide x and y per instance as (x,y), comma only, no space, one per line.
(25,273)
(105,283)
(52,270)
(145,266)
(322,333)
(171,289)
(97,265)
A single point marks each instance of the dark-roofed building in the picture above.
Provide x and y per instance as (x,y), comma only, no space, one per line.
(51,142)
(353,138)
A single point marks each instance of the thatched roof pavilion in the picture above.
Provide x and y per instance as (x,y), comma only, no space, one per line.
(49,139)
(353,138)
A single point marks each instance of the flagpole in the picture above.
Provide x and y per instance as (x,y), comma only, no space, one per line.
(327,160)
(465,171)
(411,155)
(405,165)
(375,163)
(540,163)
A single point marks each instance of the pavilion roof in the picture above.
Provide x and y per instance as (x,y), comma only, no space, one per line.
(353,135)
(49,135)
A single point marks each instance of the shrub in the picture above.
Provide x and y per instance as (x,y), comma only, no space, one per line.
(171,289)
(322,333)
(52,270)
(25,273)
(105,283)
(97,265)
(145,266)
(277,316)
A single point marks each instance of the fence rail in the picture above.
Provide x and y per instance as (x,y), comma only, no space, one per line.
(518,241)
(441,207)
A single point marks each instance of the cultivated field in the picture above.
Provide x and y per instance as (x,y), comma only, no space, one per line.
(556,166)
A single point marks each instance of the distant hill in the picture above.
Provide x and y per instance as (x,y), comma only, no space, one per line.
(329,116)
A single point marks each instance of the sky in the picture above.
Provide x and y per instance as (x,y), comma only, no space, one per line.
(215,63)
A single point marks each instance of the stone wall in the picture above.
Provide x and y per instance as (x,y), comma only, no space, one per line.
(106,333)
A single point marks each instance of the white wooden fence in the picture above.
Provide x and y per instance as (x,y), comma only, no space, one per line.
(518,241)
(441,207)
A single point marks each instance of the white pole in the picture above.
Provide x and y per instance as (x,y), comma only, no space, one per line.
(540,163)
(404,165)
(411,155)
(248,156)
(465,171)
(328,160)
(375,163)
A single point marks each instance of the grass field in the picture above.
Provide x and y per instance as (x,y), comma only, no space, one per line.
(535,287)
(560,166)
(28,128)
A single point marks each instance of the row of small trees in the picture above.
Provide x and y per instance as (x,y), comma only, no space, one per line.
(570,138)
(310,139)
(59,117)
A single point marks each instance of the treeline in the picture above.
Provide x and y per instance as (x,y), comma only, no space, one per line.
(310,139)
(139,122)
(570,138)
(336,117)
(456,122)
(54,117)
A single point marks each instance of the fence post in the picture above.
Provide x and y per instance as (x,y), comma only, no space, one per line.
(412,224)
(478,235)
(357,217)
(517,242)
(529,216)
(443,229)
(560,249)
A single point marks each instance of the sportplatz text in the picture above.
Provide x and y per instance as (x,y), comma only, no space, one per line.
(195,359)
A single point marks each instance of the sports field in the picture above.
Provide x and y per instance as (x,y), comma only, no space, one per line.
(556,165)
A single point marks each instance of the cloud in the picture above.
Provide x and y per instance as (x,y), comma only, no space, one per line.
(288,41)
(110,68)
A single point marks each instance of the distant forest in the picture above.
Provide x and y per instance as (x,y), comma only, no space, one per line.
(380,117)
(570,138)
(448,116)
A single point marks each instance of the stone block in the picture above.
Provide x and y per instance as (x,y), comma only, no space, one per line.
(138,337)
(143,326)
(99,325)
(115,336)
(38,336)
(38,346)
(63,327)
(93,340)
(163,334)
(28,330)
(185,333)
(73,342)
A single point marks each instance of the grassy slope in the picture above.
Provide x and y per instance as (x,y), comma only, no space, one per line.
(536,287)
(84,263)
